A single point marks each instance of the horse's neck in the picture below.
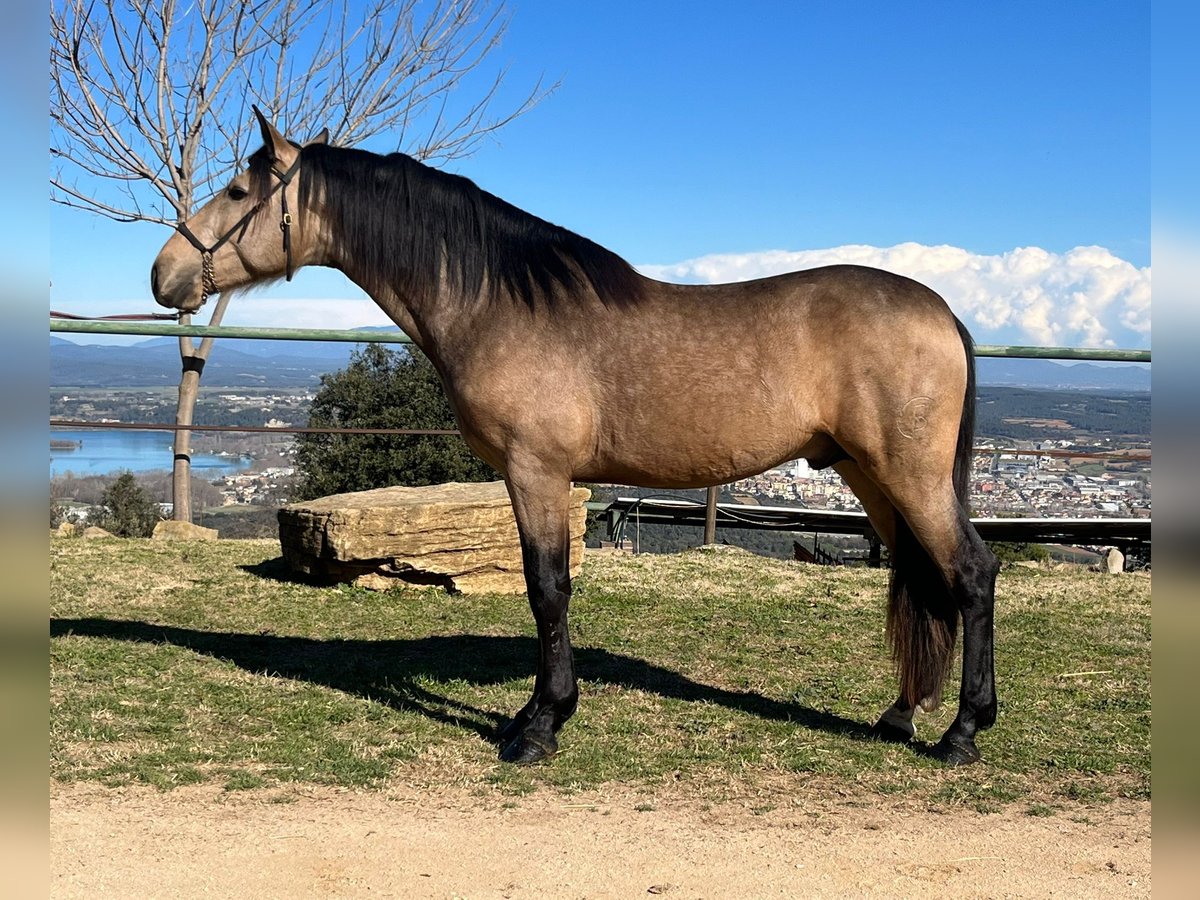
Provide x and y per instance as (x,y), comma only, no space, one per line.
(448,329)
(437,325)
(414,320)
(411,322)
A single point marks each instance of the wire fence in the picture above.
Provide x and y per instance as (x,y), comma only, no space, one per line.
(1117,455)
(248,429)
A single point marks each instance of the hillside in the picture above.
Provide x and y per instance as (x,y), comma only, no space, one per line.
(233,363)
(1046,374)
(1031,414)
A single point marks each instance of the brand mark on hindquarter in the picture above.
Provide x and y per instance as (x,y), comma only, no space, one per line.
(914,417)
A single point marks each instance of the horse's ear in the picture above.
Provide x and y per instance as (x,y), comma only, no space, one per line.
(322,137)
(276,143)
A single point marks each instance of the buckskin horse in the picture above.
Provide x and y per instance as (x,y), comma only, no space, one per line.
(563,363)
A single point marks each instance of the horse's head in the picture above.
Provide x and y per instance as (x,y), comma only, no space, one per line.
(244,235)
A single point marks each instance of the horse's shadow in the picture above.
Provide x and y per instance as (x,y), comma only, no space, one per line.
(398,672)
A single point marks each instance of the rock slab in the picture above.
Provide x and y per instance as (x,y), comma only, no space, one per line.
(170,530)
(462,537)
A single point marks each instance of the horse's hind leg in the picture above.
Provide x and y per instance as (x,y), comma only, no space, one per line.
(896,723)
(968,573)
(941,570)
(540,503)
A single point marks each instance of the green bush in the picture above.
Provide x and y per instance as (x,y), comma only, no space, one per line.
(1011,552)
(381,388)
(125,509)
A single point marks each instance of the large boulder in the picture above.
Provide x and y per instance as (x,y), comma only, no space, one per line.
(460,536)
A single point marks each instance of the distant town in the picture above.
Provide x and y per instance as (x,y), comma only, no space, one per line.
(1023,483)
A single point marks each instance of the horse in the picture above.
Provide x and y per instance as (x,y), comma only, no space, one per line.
(562,363)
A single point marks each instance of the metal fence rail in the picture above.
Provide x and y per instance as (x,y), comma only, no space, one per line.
(1116,455)
(398,337)
(235,332)
(245,429)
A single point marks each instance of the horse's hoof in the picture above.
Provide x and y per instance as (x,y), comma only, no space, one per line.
(526,749)
(891,733)
(512,730)
(955,753)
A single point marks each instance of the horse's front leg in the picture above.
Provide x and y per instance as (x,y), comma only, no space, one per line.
(540,503)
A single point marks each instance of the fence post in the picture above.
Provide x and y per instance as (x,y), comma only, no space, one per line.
(710,516)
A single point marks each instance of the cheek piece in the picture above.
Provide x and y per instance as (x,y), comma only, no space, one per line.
(207,273)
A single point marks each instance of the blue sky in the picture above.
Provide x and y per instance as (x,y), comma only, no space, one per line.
(976,147)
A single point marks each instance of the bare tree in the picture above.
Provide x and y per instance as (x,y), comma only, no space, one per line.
(150,103)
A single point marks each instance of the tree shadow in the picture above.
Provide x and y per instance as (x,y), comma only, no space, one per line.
(396,672)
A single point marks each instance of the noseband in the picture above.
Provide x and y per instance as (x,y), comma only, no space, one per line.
(208,279)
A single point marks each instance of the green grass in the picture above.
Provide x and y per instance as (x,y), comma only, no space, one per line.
(718,673)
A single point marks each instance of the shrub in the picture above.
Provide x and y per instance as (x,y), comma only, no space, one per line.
(381,388)
(125,509)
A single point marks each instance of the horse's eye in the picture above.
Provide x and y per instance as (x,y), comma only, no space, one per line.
(236,193)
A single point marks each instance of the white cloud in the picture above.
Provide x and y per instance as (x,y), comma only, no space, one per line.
(1084,297)
(276,312)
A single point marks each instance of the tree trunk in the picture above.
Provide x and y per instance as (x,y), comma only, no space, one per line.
(192,359)
(181,473)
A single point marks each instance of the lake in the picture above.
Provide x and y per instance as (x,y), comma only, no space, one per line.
(103,452)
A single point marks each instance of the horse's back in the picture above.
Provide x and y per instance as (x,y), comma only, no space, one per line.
(812,332)
(826,292)
(715,382)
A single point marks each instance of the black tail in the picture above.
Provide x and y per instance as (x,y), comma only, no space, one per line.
(922,618)
(966,425)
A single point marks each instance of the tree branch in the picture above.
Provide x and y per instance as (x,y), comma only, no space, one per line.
(149,98)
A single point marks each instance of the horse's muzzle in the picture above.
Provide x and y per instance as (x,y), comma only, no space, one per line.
(173,293)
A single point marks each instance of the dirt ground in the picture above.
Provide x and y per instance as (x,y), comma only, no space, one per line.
(202,841)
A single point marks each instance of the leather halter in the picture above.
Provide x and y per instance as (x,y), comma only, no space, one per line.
(207,274)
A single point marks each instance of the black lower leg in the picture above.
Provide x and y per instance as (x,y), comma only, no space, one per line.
(532,734)
(975,589)
(895,725)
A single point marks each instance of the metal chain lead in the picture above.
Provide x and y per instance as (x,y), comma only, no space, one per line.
(208,277)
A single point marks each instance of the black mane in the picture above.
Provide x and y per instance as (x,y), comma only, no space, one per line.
(395,216)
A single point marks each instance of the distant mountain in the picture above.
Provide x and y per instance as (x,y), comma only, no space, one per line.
(311,350)
(1043,373)
(256,363)
(233,363)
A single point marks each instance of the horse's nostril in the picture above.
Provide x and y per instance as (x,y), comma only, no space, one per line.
(154,280)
